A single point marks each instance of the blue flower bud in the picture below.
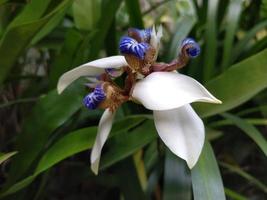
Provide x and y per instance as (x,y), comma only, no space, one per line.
(130,46)
(191,47)
(92,100)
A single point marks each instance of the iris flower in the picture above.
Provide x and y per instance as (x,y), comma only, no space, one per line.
(157,86)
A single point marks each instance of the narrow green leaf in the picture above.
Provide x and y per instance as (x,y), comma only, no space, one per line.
(49,26)
(263,9)
(63,61)
(232,19)
(241,45)
(237,84)
(183,26)
(86,13)
(18,186)
(211,40)
(5,156)
(103,25)
(81,140)
(250,130)
(126,144)
(213,134)
(134,12)
(32,11)
(140,168)
(206,178)
(252,110)
(71,144)
(49,113)
(234,195)
(253,121)
(245,175)
(177,179)
(19,35)
(132,189)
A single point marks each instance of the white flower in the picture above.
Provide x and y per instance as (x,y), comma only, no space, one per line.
(168,94)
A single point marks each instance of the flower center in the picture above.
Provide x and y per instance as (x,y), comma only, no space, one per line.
(141,58)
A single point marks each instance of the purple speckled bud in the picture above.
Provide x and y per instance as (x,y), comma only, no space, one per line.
(191,46)
(131,46)
(92,100)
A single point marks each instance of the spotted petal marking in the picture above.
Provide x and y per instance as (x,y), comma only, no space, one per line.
(130,46)
(192,48)
(92,100)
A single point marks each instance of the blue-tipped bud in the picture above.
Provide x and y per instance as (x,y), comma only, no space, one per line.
(131,46)
(92,100)
(142,35)
(191,47)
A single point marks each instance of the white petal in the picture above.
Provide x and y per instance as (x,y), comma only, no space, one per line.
(168,90)
(182,131)
(104,127)
(159,33)
(93,68)
(155,37)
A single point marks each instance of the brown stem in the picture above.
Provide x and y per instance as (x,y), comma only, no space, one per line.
(129,81)
(178,63)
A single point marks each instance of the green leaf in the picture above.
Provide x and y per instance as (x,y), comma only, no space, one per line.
(245,175)
(242,44)
(263,9)
(183,26)
(177,179)
(126,144)
(250,130)
(134,12)
(234,195)
(49,113)
(71,144)
(81,140)
(103,25)
(5,156)
(33,10)
(86,13)
(232,19)
(237,84)
(20,33)
(206,178)
(253,121)
(211,40)
(18,186)
(49,26)
(64,60)
(132,189)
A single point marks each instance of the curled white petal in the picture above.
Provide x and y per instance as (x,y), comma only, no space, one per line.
(182,131)
(104,128)
(169,90)
(93,68)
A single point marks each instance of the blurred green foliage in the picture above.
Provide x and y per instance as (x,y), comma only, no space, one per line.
(46,137)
